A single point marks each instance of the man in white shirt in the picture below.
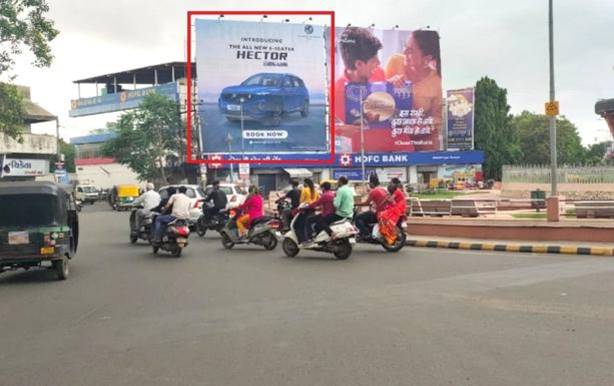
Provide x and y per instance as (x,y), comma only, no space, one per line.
(181,210)
(148,200)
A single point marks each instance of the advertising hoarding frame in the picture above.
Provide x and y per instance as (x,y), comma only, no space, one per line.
(331,97)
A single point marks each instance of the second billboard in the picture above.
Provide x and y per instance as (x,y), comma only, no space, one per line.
(388,94)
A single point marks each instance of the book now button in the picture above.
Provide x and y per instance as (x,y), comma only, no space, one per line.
(265,134)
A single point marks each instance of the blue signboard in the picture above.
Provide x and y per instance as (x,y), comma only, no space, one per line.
(123,100)
(62,176)
(351,174)
(371,159)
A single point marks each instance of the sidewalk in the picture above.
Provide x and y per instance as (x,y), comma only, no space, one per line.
(558,247)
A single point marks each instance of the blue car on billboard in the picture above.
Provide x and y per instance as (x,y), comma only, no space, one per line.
(266,98)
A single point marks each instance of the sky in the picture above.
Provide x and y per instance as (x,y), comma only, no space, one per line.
(504,40)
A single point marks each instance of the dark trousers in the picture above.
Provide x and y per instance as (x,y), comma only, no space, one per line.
(300,227)
(210,212)
(363,220)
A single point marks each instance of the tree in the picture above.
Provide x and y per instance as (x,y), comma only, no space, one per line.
(147,138)
(493,133)
(533,132)
(22,24)
(597,152)
(11,111)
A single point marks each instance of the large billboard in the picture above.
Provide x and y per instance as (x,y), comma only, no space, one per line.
(261,87)
(387,90)
(460,119)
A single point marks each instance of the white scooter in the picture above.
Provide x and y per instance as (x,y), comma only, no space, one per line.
(340,246)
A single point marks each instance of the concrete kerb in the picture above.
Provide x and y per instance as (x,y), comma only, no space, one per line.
(512,247)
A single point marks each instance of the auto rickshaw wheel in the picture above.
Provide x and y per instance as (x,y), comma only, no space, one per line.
(61,268)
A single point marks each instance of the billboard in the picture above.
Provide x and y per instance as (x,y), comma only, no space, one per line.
(460,119)
(123,100)
(262,87)
(387,90)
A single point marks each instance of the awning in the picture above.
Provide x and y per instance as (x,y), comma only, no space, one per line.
(298,173)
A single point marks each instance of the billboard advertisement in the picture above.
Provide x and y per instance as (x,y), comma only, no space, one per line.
(387,91)
(460,119)
(262,87)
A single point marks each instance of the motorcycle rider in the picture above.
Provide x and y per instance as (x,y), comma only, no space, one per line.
(344,205)
(294,195)
(148,200)
(252,209)
(377,199)
(395,209)
(326,205)
(309,195)
(218,198)
(180,204)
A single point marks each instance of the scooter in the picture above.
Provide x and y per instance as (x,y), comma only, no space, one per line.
(263,231)
(284,212)
(340,246)
(375,237)
(214,223)
(146,230)
(175,238)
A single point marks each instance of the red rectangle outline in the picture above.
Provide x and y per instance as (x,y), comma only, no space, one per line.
(331,94)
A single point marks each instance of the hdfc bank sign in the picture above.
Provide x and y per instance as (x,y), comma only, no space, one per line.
(22,167)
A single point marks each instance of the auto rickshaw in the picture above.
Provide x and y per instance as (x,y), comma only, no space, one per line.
(39,226)
(122,196)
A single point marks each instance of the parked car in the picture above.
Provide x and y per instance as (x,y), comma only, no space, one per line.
(265,97)
(236,194)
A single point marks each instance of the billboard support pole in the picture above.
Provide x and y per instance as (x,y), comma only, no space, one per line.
(229,140)
(362,138)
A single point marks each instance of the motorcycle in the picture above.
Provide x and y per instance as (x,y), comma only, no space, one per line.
(340,246)
(175,238)
(145,232)
(214,223)
(263,231)
(375,237)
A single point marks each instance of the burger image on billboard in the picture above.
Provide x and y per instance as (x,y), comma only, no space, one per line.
(266,98)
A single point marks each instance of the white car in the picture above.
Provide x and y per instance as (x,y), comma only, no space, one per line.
(236,194)
(195,192)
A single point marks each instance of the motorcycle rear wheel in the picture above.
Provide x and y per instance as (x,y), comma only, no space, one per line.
(398,244)
(343,250)
(269,241)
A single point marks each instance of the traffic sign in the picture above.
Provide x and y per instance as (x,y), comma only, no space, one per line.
(244,171)
(552,108)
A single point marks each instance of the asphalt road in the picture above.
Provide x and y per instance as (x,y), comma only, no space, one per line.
(249,317)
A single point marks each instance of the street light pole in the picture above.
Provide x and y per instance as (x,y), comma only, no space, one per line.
(552,119)
(57,134)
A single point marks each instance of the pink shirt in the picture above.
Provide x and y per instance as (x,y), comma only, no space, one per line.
(253,207)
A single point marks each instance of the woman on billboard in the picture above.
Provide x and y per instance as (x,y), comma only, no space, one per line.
(420,63)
